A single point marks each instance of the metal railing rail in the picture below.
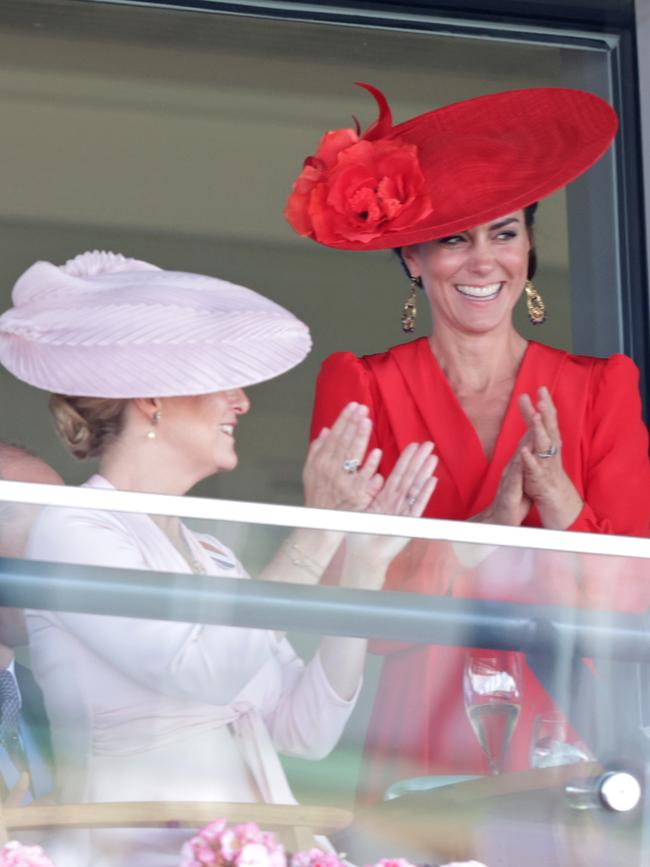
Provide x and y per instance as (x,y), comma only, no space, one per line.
(401,617)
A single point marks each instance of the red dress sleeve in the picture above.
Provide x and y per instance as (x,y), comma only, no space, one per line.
(616,492)
(342,378)
(423,566)
(617,471)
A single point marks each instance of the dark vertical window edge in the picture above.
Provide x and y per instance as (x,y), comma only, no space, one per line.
(632,228)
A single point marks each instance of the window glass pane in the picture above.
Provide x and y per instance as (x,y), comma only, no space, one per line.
(482,728)
(175,136)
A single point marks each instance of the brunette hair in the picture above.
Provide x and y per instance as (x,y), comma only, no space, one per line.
(87,424)
(529,222)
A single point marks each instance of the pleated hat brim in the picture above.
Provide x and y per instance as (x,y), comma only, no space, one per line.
(144,333)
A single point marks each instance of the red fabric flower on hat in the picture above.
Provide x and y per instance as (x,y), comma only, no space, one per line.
(448,169)
(314,170)
(356,188)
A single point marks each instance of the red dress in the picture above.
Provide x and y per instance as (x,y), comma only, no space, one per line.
(419,726)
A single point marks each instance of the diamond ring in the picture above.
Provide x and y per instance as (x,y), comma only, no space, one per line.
(351,465)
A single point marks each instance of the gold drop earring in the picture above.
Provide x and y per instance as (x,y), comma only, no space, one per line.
(534,304)
(410,310)
(155,419)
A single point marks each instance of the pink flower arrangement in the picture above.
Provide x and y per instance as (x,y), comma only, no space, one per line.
(14,854)
(316,858)
(244,845)
(393,862)
(217,845)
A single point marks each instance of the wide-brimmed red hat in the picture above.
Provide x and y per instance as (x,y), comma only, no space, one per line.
(447,170)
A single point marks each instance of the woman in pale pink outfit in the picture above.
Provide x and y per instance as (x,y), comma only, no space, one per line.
(147,369)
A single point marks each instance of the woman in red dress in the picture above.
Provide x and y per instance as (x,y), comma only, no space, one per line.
(525,434)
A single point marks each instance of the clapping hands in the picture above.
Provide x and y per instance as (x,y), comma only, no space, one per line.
(409,487)
(406,491)
(544,479)
(336,476)
(535,474)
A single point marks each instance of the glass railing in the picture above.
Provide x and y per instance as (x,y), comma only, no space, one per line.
(491,702)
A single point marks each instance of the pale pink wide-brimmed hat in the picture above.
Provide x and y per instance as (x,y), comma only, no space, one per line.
(103,325)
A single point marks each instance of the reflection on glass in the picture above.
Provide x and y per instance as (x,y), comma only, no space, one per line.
(128,724)
(212,88)
(554,744)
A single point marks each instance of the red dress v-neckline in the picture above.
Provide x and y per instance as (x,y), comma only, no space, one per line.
(465,421)
(457,442)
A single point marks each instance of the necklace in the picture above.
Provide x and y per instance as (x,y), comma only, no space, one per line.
(195,565)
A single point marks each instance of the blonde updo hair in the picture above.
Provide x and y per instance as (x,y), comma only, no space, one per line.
(87,424)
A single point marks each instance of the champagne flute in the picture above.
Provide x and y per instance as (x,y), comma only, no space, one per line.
(492,689)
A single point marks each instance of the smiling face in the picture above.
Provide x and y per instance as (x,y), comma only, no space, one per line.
(473,279)
(201,429)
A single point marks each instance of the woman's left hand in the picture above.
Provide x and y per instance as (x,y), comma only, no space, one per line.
(335,475)
(545,481)
(409,487)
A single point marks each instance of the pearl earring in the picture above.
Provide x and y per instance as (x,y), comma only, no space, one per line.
(155,419)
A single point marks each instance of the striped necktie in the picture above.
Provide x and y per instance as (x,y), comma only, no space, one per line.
(9,719)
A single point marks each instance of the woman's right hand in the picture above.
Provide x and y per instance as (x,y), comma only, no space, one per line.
(545,480)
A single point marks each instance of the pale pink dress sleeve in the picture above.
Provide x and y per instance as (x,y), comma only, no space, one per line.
(219,665)
(207,663)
